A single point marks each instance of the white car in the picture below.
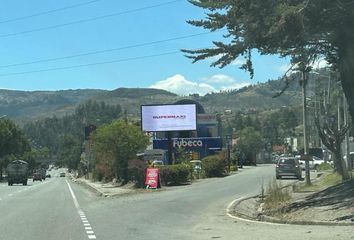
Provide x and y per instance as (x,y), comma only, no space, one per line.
(314,163)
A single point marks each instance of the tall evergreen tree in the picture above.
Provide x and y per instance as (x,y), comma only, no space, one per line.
(315,29)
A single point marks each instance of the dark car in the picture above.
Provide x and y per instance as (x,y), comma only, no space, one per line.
(288,166)
(37,176)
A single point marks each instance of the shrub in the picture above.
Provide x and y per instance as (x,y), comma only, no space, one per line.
(213,166)
(324,167)
(137,172)
(175,174)
(233,168)
(276,195)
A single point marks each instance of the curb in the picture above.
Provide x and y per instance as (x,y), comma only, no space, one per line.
(261,218)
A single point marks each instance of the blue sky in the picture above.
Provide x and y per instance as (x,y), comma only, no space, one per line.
(118,24)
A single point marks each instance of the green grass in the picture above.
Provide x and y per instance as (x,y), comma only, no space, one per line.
(329,179)
(324,167)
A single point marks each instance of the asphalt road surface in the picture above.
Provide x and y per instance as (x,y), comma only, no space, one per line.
(61,209)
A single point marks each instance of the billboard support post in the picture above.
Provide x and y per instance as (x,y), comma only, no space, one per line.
(170,147)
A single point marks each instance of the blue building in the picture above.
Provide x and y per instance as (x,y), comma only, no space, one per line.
(206,140)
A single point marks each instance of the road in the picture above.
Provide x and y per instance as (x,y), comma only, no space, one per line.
(61,209)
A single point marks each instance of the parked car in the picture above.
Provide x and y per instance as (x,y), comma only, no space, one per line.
(48,175)
(37,176)
(314,163)
(288,166)
(157,163)
(62,174)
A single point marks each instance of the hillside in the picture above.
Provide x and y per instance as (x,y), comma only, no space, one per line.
(24,106)
(31,105)
(260,96)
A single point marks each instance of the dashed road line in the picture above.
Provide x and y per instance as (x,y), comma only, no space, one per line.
(89,231)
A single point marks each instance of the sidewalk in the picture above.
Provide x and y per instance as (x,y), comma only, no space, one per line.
(106,189)
(331,206)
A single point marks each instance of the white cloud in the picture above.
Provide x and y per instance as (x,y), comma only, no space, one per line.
(225,82)
(219,79)
(238,62)
(321,63)
(180,85)
(283,68)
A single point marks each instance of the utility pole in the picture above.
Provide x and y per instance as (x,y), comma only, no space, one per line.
(304,119)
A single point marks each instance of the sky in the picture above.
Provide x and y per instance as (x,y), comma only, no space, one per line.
(108,44)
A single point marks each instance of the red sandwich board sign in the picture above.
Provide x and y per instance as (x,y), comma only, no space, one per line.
(152,178)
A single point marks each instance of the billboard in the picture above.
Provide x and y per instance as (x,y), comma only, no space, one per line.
(169,117)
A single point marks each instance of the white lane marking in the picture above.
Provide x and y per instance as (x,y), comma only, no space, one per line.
(228,213)
(76,203)
(90,234)
(10,195)
(0,199)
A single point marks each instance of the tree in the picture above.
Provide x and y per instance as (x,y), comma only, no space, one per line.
(36,157)
(70,151)
(13,142)
(332,138)
(50,131)
(303,30)
(332,130)
(249,143)
(115,144)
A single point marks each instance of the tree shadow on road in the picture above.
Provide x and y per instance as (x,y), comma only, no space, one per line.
(338,197)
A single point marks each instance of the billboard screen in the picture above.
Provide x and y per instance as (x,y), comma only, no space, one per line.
(180,117)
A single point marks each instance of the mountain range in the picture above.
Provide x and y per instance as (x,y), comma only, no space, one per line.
(31,105)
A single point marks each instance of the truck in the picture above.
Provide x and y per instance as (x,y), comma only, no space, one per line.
(17,172)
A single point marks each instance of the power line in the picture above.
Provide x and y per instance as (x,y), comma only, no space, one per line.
(49,11)
(90,64)
(88,19)
(105,50)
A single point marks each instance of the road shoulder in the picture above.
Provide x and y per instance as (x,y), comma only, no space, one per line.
(331,206)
